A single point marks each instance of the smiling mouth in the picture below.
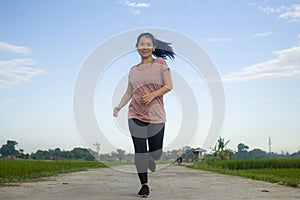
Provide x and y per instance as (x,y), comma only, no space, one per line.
(145,52)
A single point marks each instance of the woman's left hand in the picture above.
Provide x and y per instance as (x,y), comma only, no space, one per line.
(148,97)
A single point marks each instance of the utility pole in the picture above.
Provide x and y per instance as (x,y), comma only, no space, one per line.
(98,150)
(270,143)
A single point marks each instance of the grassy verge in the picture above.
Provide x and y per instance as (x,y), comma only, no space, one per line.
(19,170)
(287,175)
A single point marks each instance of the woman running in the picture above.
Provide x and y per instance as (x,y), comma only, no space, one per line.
(148,81)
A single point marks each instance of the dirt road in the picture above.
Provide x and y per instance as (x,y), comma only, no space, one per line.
(171,182)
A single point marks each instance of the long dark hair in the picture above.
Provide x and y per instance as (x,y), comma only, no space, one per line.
(162,49)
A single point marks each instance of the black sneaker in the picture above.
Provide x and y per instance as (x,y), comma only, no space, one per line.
(144,191)
(151,165)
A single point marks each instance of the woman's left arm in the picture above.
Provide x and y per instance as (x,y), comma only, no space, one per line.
(147,98)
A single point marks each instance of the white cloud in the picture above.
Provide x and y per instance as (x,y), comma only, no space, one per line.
(298,36)
(285,66)
(16,72)
(292,13)
(264,34)
(267,9)
(13,48)
(217,39)
(138,5)
(136,11)
(135,8)
(289,13)
(270,10)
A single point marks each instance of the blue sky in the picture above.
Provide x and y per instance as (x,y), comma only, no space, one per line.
(255,45)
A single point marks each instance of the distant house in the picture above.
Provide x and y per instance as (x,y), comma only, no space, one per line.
(198,154)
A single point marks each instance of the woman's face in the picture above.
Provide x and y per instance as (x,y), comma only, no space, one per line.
(145,47)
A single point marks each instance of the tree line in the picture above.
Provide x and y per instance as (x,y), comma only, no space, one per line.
(220,151)
(9,151)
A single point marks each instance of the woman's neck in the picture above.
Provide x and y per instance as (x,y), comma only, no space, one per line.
(147,60)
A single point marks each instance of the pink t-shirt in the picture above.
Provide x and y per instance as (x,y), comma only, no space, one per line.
(146,79)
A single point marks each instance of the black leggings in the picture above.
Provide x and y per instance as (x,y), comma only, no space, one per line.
(141,132)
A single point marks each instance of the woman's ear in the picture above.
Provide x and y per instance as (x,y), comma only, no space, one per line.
(153,49)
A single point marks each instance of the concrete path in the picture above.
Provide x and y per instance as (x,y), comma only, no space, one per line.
(169,182)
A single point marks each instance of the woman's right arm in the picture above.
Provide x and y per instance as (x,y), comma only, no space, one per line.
(125,99)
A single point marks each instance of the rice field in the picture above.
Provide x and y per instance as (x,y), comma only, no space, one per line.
(281,171)
(20,170)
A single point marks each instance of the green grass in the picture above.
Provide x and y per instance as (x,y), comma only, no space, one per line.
(282,171)
(18,170)
(254,164)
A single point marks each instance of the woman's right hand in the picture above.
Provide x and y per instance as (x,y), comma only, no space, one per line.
(116,111)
